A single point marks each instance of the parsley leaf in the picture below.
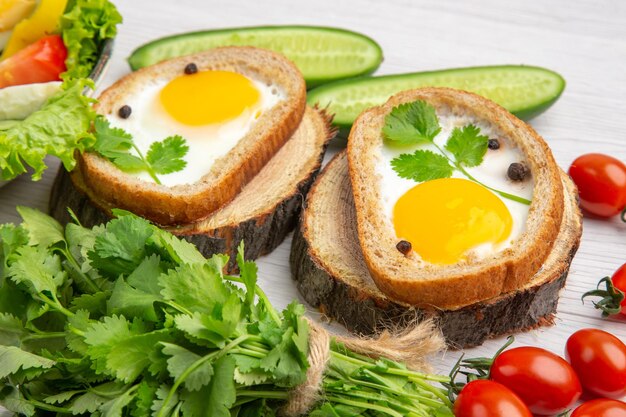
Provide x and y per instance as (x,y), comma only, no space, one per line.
(411,123)
(167,156)
(467,145)
(422,166)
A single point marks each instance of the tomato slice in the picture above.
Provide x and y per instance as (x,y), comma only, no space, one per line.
(39,62)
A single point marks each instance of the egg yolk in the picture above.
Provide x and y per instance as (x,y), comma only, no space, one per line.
(445,218)
(208,97)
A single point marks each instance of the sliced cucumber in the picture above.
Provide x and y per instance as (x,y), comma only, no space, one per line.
(523,90)
(323,54)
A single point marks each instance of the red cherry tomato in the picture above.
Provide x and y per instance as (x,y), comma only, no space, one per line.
(544,381)
(599,359)
(601,181)
(601,408)
(483,398)
(40,62)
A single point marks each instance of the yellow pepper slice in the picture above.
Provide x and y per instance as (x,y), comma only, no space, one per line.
(12,11)
(44,21)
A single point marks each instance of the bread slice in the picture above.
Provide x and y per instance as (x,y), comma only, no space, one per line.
(261,215)
(230,173)
(414,281)
(331,273)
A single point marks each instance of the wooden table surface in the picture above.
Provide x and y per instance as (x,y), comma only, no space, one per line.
(585,41)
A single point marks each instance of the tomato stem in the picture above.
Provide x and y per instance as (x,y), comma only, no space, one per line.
(612,297)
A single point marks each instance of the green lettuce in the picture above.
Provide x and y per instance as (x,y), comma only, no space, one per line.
(59,128)
(85,26)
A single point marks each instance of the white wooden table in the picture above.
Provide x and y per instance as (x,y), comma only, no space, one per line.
(585,41)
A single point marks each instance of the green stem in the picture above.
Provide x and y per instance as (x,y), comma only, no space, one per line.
(55,304)
(262,296)
(147,164)
(249,352)
(70,258)
(215,355)
(40,336)
(364,405)
(273,395)
(468,175)
(502,193)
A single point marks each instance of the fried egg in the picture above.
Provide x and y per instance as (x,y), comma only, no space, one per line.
(452,220)
(211,110)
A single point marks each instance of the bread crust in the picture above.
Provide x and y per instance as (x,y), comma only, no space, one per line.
(331,273)
(262,215)
(415,282)
(229,174)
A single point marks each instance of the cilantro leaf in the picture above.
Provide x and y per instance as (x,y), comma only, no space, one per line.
(11,330)
(42,229)
(115,406)
(422,166)
(248,272)
(38,269)
(12,359)
(216,398)
(467,145)
(111,142)
(167,156)
(132,302)
(129,357)
(412,123)
(182,359)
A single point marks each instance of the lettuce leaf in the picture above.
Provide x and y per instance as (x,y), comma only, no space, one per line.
(85,26)
(59,128)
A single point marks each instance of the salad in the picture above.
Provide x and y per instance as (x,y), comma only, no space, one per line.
(49,48)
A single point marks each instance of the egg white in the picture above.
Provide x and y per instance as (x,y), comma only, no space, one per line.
(149,122)
(492,172)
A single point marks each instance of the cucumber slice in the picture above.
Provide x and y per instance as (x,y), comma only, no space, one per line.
(525,91)
(323,54)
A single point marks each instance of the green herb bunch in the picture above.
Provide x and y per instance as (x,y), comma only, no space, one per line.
(127,320)
(417,123)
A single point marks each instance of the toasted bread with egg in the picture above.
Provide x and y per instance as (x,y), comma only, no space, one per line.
(261,215)
(331,273)
(228,175)
(410,279)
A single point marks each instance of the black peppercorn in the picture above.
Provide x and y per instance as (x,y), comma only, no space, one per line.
(404,247)
(494,144)
(518,171)
(191,68)
(124,111)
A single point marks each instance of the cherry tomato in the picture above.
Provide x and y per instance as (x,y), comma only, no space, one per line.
(601,408)
(40,62)
(544,381)
(483,398)
(601,182)
(619,281)
(599,359)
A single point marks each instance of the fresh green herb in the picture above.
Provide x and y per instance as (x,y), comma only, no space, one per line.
(84,27)
(422,166)
(163,157)
(467,145)
(417,123)
(414,122)
(127,320)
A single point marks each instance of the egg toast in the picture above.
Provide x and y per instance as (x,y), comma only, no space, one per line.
(444,218)
(331,273)
(261,215)
(235,106)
